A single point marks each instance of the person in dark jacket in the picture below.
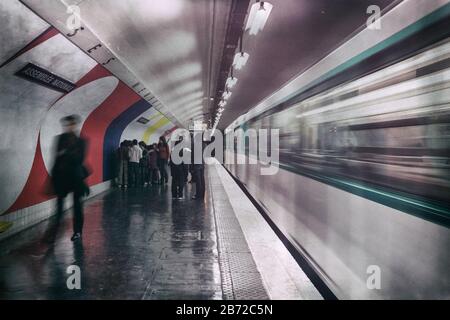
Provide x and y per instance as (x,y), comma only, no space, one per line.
(198,168)
(178,173)
(69,172)
(123,157)
(143,165)
(163,158)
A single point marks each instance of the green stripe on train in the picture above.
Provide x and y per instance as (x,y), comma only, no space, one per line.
(394,199)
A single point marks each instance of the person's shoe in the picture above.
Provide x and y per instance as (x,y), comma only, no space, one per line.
(194,198)
(125,186)
(120,186)
(76,236)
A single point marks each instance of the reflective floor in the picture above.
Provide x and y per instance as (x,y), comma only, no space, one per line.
(137,244)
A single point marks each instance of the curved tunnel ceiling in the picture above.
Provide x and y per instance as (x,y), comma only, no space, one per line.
(277,54)
(172,47)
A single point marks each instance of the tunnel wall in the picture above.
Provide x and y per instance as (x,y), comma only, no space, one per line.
(30,115)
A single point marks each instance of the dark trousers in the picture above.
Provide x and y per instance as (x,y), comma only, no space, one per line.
(78,216)
(134,173)
(177,185)
(199,178)
(153,175)
(143,174)
(162,164)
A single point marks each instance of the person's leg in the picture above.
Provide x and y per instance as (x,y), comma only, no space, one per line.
(150,175)
(153,176)
(201,184)
(140,179)
(174,187)
(78,217)
(133,174)
(156,177)
(159,164)
(130,173)
(59,206)
(125,172)
(164,177)
(195,177)
(146,175)
(180,189)
(120,174)
(136,174)
(165,171)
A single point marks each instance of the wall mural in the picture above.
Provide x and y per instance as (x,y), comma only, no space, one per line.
(31,112)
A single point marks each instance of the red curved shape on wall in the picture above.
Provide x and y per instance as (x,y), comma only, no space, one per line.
(93,130)
(33,192)
(47,34)
(97,123)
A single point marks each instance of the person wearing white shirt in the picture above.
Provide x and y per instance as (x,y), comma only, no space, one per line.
(135,154)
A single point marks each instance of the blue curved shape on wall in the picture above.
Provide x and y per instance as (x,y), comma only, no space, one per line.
(113,134)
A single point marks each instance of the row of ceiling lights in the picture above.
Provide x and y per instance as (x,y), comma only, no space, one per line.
(259,13)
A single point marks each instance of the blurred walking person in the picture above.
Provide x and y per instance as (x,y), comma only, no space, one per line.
(68,172)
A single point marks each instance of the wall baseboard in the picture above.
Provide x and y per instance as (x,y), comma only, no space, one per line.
(25,218)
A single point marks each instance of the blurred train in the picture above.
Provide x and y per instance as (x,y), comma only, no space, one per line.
(364,179)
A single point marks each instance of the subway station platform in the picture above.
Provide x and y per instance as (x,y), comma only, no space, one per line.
(141,244)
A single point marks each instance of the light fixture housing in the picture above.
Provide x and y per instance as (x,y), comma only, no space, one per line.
(226,95)
(259,13)
(231,82)
(240,60)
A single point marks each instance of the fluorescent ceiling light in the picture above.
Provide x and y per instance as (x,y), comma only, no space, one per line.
(226,95)
(259,13)
(231,82)
(240,60)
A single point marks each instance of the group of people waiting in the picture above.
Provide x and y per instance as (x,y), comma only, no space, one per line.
(142,165)
(138,163)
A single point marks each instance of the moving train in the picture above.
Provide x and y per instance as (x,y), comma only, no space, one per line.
(364,150)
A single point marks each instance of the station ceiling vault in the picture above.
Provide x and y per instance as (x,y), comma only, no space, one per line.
(177,53)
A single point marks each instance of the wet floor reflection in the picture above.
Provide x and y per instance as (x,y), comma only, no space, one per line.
(137,244)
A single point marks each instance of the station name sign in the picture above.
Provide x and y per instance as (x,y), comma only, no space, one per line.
(45,78)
